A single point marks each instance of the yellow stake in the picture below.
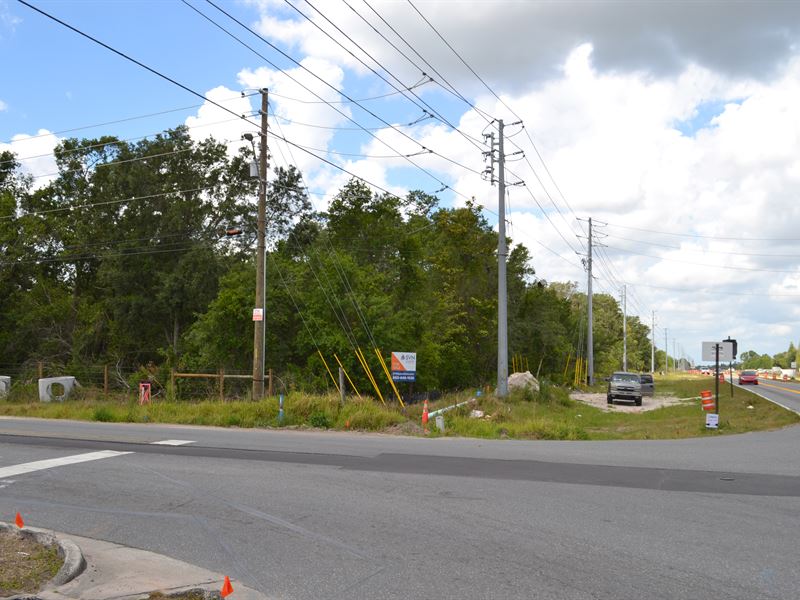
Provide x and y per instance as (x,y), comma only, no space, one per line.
(335,383)
(389,377)
(371,377)
(355,389)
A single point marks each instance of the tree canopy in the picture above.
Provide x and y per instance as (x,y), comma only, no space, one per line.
(122,259)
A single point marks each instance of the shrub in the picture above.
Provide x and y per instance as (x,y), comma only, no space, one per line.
(103,414)
(320,420)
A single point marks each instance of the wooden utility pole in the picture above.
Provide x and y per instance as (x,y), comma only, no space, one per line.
(259,332)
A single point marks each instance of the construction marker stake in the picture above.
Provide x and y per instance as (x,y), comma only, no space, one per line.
(20,523)
(280,408)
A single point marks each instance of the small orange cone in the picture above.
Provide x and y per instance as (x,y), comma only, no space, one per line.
(425,413)
(227,588)
(20,523)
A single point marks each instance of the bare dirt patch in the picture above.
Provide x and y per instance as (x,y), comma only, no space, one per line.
(648,403)
(25,564)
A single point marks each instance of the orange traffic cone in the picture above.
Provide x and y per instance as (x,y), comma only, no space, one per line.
(425,413)
(227,588)
(20,523)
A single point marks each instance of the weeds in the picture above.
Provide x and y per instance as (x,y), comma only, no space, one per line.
(548,414)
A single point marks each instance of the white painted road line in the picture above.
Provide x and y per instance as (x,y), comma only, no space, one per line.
(173,442)
(50,463)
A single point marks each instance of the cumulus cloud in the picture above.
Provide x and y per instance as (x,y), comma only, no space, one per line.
(219,123)
(3,106)
(658,38)
(683,142)
(35,155)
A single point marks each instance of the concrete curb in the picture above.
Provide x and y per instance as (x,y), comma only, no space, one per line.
(68,551)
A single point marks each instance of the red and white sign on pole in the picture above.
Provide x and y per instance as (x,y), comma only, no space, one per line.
(258,314)
(404,366)
(144,392)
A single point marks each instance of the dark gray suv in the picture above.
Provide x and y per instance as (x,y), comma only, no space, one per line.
(648,385)
(624,386)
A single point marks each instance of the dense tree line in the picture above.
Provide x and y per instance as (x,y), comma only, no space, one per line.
(122,259)
(753,360)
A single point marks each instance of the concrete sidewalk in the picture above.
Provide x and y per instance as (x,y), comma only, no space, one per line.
(118,572)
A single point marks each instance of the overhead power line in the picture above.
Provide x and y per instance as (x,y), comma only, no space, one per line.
(703,250)
(689,262)
(217,104)
(326,83)
(707,237)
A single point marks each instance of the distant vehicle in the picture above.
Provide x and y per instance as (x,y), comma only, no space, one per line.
(748,377)
(624,386)
(648,385)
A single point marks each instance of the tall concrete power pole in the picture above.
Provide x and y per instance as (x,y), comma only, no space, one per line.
(653,344)
(624,327)
(589,340)
(502,316)
(666,352)
(258,335)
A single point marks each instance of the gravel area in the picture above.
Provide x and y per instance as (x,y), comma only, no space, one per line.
(648,403)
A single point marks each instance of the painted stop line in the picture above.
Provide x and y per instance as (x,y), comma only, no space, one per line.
(50,463)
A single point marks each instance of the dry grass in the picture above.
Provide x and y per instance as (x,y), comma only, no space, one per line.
(25,564)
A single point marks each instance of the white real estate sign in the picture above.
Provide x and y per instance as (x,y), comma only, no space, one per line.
(404,366)
(725,351)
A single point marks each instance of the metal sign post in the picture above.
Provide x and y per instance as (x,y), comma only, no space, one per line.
(716,379)
(717,351)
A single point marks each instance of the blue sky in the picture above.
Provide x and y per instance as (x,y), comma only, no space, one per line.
(60,80)
(684,140)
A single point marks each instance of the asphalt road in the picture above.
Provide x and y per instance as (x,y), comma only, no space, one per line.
(785,393)
(331,515)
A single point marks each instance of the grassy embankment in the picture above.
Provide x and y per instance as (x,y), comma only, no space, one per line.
(549,414)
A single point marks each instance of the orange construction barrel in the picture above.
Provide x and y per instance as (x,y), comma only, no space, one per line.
(707,400)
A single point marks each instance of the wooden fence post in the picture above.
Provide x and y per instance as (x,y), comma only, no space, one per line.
(270,390)
(222,385)
(105,380)
(172,384)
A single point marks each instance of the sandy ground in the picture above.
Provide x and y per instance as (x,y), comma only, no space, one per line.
(648,403)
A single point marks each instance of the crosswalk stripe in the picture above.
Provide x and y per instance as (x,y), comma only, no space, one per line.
(40,465)
(173,442)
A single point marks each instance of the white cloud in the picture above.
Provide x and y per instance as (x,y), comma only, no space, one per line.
(35,155)
(216,122)
(3,106)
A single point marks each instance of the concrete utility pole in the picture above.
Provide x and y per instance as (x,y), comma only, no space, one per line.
(259,332)
(624,327)
(653,344)
(674,354)
(589,340)
(666,354)
(502,315)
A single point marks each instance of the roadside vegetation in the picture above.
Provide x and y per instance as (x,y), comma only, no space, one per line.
(25,564)
(549,414)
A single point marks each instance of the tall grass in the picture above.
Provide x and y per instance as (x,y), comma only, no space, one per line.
(548,414)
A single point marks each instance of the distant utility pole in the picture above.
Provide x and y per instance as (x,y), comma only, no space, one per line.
(624,327)
(589,340)
(674,354)
(653,344)
(666,353)
(259,331)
